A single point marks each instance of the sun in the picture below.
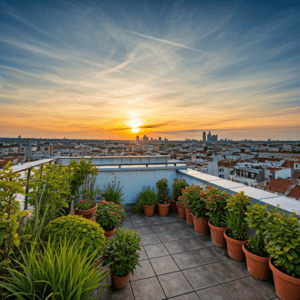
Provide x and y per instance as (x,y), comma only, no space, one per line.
(134,125)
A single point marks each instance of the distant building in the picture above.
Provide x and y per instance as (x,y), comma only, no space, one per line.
(209,137)
(137,137)
(204,136)
(159,138)
(214,138)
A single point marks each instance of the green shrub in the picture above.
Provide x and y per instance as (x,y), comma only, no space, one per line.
(162,191)
(63,271)
(121,253)
(113,192)
(178,186)
(75,227)
(147,196)
(236,226)
(108,215)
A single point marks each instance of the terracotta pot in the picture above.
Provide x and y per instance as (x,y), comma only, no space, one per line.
(234,248)
(149,210)
(189,216)
(119,282)
(217,235)
(163,209)
(173,206)
(258,266)
(87,213)
(286,287)
(110,233)
(201,226)
(181,211)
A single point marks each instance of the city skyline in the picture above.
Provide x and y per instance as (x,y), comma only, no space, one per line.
(112,71)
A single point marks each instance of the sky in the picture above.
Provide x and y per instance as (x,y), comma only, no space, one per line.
(112,70)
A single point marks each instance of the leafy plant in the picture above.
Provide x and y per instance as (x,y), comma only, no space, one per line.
(162,191)
(75,227)
(108,215)
(10,212)
(121,253)
(83,205)
(256,216)
(147,196)
(113,192)
(181,200)
(215,201)
(178,185)
(63,271)
(283,241)
(236,226)
(238,203)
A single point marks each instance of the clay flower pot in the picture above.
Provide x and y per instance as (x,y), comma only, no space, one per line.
(173,206)
(87,213)
(189,217)
(201,226)
(286,287)
(181,211)
(163,209)
(110,233)
(149,210)
(217,235)
(234,248)
(258,266)
(119,282)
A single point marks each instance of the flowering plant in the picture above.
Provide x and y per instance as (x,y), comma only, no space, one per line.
(108,215)
(215,201)
(10,212)
(121,254)
(195,201)
(162,191)
(181,200)
(178,185)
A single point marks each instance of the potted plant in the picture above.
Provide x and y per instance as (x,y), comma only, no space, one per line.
(148,198)
(198,209)
(215,201)
(181,207)
(188,194)
(254,249)
(121,255)
(162,197)
(283,246)
(234,219)
(108,215)
(178,185)
(113,192)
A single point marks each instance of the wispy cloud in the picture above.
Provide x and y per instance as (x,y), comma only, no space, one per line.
(91,69)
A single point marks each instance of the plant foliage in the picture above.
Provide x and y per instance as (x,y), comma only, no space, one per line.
(178,185)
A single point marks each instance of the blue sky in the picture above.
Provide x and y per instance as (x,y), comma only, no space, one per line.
(163,68)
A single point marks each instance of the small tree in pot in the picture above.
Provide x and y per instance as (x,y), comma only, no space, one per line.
(163,201)
(178,186)
(122,256)
(147,199)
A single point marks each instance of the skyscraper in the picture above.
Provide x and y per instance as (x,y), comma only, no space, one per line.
(204,136)
(137,137)
(209,137)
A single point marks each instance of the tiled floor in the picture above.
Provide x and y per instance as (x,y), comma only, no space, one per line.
(179,264)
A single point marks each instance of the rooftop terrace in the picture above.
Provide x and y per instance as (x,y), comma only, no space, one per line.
(179,264)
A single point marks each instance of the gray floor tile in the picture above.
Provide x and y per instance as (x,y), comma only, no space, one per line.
(200,278)
(266,288)
(167,236)
(222,272)
(242,290)
(143,254)
(206,256)
(156,250)
(150,239)
(186,260)
(204,238)
(190,296)
(163,265)
(156,221)
(177,226)
(147,289)
(239,266)
(145,271)
(111,293)
(185,234)
(161,228)
(174,284)
(176,247)
(125,226)
(140,223)
(214,293)
(144,230)
(222,252)
(194,243)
